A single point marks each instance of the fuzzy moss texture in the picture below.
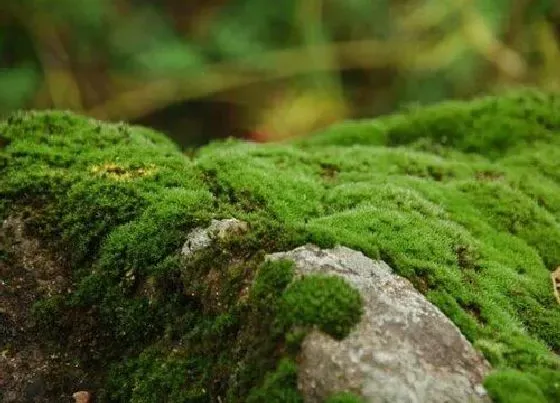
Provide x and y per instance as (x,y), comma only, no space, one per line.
(461,198)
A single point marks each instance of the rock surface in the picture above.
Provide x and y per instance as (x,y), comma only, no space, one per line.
(404,349)
(201,238)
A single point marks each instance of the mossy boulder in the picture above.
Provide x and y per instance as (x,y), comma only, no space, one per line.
(403,348)
(461,198)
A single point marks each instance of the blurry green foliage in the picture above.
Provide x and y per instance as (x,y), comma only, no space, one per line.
(272,72)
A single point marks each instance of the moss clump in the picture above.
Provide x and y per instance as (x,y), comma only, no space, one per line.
(265,340)
(490,126)
(156,376)
(272,279)
(325,302)
(280,386)
(513,387)
(461,198)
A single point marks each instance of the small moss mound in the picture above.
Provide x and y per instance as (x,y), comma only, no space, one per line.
(461,198)
(513,387)
(325,302)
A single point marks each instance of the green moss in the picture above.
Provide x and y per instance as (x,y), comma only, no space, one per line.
(279,386)
(528,221)
(240,174)
(327,302)
(513,387)
(461,198)
(344,397)
(489,126)
(273,278)
(261,341)
(155,376)
(48,312)
(548,382)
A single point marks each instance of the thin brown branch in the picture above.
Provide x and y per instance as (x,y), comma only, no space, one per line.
(149,97)
(59,80)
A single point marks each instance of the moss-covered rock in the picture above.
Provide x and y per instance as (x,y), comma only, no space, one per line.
(326,302)
(461,198)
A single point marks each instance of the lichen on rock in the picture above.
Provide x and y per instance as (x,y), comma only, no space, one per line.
(461,198)
(201,238)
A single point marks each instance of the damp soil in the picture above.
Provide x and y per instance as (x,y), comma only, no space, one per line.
(33,368)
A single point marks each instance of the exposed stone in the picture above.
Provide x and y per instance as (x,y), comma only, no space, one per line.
(201,238)
(403,350)
(555,276)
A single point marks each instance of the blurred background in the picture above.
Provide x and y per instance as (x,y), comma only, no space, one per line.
(267,70)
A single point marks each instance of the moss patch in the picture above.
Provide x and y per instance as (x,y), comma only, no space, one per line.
(279,386)
(462,198)
(326,302)
(513,387)
(156,376)
(344,397)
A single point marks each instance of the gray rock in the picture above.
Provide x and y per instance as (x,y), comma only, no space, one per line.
(201,238)
(403,350)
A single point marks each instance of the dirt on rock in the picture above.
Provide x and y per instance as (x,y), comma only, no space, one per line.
(32,367)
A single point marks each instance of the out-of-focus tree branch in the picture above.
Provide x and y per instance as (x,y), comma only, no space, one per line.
(134,59)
